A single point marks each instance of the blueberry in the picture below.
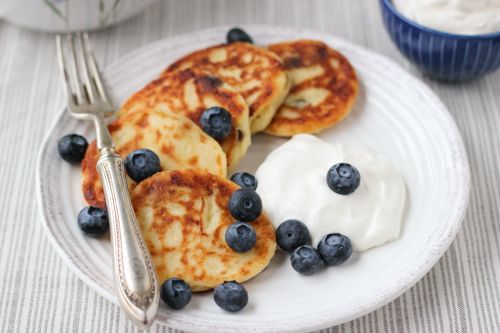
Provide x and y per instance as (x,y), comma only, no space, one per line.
(93,221)
(241,237)
(244,179)
(306,260)
(291,234)
(245,205)
(238,35)
(216,122)
(335,249)
(231,296)
(176,293)
(343,178)
(141,164)
(72,148)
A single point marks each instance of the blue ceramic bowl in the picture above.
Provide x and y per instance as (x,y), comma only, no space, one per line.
(442,55)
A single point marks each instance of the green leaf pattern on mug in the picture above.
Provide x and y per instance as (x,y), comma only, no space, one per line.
(53,5)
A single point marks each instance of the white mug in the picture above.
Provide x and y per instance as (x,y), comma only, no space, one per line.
(69,15)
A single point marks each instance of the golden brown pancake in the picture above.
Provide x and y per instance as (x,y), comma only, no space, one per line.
(190,92)
(255,73)
(183,216)
(178,142)
(324,88)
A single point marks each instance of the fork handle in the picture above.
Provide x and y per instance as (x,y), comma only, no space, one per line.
(135,277)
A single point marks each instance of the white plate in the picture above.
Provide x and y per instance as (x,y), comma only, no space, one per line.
(396,114)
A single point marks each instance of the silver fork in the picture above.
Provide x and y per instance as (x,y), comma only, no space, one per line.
(135,277)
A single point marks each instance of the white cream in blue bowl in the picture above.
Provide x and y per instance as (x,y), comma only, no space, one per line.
(452,40)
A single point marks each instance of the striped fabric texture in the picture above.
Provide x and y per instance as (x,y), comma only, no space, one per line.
(38,293)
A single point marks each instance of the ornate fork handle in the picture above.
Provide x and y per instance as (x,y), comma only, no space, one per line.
(136,285)
(135,277)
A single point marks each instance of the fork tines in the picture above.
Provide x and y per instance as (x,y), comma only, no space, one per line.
(82,64)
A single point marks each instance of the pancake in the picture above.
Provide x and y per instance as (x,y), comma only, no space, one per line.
(190,92)
(324,88)
(178,142)
(183,216)
(255,73)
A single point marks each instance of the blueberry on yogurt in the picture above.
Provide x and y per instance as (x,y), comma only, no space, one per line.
(343,178)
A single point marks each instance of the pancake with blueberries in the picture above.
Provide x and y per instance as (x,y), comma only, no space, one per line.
(183,215)
(191,92)
(324,88)
(257,74)
(178,142)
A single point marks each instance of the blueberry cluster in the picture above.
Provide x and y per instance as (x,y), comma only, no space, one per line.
(333,249)
(293,236)
(139,164)
(230,295)
(217,121)
(245,206)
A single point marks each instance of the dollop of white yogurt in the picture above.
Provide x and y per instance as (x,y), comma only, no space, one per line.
(292,185)
(465,17)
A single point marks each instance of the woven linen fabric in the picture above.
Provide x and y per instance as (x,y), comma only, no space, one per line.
(38,293)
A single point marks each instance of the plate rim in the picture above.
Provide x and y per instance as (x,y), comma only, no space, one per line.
(323,319)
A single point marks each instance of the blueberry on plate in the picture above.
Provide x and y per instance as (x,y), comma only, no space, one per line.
(72,148)
(244,179)
(141,164)
(93,221)
(231,296)
(216,122)
(245,205)
(306,260)
(176,293)
(238,35)
(335,249)
(241,237)
(291,234)
(343,178)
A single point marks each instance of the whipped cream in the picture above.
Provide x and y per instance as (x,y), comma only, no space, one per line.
(465,17)
(292,185)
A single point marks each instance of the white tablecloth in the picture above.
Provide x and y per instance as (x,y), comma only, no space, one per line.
(38,293)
